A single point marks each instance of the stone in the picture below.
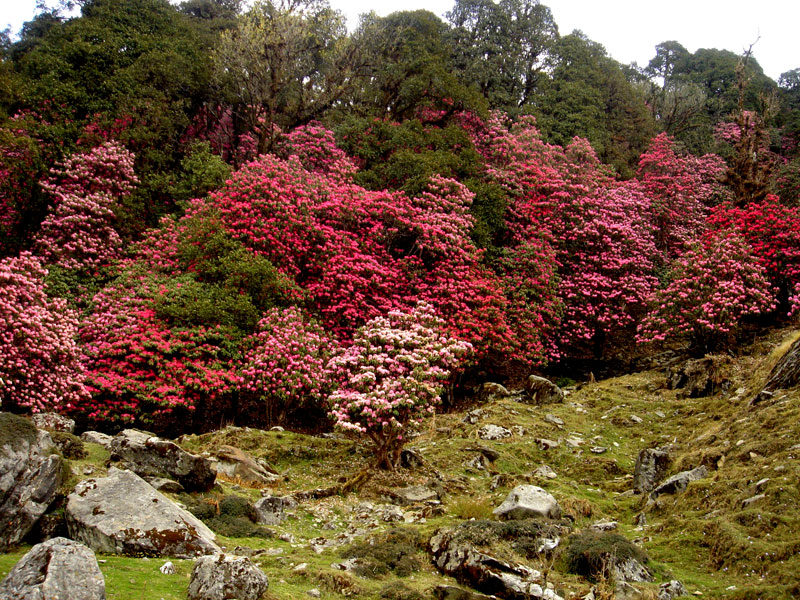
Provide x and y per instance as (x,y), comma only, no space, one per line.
(411,459)
(553,420)
(165,486)
(123,514)
(672,589)
(416,494)
(473,416)
(490,453)
(491,392)
(700,377)
(95,437)
(752,500)
(539,390)
(679,482)
(605,525)
(527,501)
(58,569)
(314,593)
(477,463)
(392,514)
(167,568)
(493,432)
(651,467)
(222,576)
(545,444)
(272,509)
(149,455)
(30,475)
(598,449)
(631,570)
(53,422)
(486,573)
(544,472)
(237,465)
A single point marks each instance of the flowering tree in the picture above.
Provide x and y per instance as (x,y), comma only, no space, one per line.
(285,363)
(79,232)
(711,289)
(392,376)
(40,366)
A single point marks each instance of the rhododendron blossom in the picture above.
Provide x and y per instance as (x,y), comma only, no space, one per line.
(393,375)
(40,366)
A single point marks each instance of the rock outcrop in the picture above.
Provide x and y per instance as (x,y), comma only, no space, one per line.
(679,482)
(651,466)
(58,569)
(123,514)
(30,474)
(149,455)
(527,501)
(539,390)
(53,422)
(237,465)
(272,509)
(221,577)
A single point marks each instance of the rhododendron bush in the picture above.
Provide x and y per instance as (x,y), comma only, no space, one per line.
(712,288)
(40,367)
(393,375)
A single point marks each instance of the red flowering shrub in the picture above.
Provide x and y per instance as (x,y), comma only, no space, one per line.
(393,376)
(711,289)
(40,366)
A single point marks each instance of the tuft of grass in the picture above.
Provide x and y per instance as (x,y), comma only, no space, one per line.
(593,554)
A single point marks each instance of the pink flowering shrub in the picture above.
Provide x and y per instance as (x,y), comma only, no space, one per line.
(79,231)
(712,288)
(285,363)
(393,375)
(40,362)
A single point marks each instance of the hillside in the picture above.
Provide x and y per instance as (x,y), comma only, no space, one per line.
(732,534)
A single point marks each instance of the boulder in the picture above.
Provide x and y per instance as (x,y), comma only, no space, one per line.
(651,467)
(237,465)
(123,514)
(678,483)
(415,494)
(58,569)
(95,437)
(527,501)
(148,455)
(493,432)
(486,573)
(272,509)
(451,592)
(30,474)
(672,589)
(700,377)
(53,422)
(539,390)
(491,392)
(411,459)
(222,576)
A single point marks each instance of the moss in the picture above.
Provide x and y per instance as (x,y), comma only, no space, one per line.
(592,553)
(397,590)
(71,446)
(15,430)
(523,536)
(394,551)
(231,516)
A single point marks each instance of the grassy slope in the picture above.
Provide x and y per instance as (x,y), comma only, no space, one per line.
(703,537)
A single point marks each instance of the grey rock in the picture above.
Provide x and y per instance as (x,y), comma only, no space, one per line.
(701,377)
(672,589)
(605,525)
(544,472)
(752,500)
(272,509)
(490,453)
(166,486)
(149,455)
(238,465)
(545,444)
(473,416)
(58,569)
(490,392)
(314,593)
(392,514)
(554,420)
(651,466)
(167,568)
(493,432)
(526,501)
(451,592)
(411,459)
(678,483)
(477,463)
(123,514)
(598,449)
(415,494)
(30,474)
(221,577)
(95,437)
(486,573)
(631,570)
(539,390)
(53,422)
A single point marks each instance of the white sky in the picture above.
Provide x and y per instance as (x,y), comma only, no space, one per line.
(629,29)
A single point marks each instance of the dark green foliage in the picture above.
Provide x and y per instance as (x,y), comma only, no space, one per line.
(394,551)
(70,445)
(201,172)
(231,516)
(593,553)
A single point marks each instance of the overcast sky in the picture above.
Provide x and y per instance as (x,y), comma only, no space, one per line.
(629,29)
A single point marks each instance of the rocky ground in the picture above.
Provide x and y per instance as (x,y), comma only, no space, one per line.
(621,487)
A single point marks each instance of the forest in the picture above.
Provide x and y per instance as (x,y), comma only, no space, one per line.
(214,213)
